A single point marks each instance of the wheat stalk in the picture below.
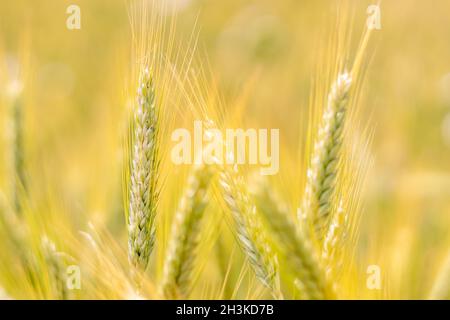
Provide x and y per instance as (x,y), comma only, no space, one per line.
(250,234)
(185,234)
(321,176)
(144,166)
(298,249)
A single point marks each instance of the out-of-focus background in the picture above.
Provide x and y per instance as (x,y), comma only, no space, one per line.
(74,102)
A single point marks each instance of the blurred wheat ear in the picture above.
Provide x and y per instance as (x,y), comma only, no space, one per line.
(321,176)
(298,249)
(250,233)
(185,235)
(18,181)
(142,179)
(56,269)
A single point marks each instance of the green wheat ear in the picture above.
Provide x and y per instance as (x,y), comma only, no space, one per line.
(321,175)
(19,183)
(185,234)
(251,235)
(298,249)
(144,166)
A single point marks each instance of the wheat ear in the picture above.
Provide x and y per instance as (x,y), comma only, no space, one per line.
(19,182)
(298,250)
(185,235)
(143,192)
(321,176)
(56,269)
(250,233)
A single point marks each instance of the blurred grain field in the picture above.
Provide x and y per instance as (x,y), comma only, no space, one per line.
(263,54)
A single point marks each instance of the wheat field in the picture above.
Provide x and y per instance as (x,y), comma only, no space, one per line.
(122,173)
